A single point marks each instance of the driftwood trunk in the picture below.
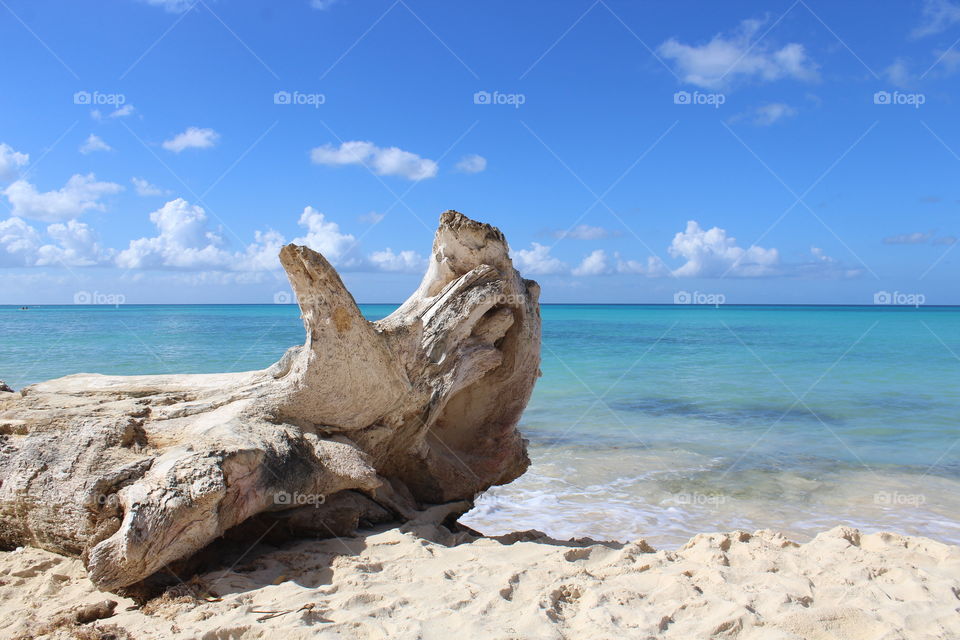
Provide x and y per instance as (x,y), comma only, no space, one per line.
(365,422)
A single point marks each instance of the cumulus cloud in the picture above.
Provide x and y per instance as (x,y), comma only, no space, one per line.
(144,188)
(262,254)
(94,143)
(909,238)
(766,115)
(584,232)
(389,161)
(18,243)
(81,193)
(593,265)
(324,236)
(76,246)
(598,263)
(537,260)
(711,253)
(73,244)
(192,138)
(471,164)
(183,241)
(737,55)
(404,261)
(654,267)
(936,17)
(11,161)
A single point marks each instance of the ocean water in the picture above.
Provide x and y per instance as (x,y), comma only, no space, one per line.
(649,421)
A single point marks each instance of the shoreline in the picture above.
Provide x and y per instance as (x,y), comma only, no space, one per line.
(668,496)
(390,582)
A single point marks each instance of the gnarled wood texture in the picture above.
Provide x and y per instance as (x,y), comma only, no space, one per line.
(363,422)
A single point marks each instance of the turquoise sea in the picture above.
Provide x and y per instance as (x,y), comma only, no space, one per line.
(649,421)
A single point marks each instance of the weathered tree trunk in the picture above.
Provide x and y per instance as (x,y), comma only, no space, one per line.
(364,422)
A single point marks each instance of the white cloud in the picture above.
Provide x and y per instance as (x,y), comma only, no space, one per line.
(173,6)
(144,188)
(372,217)
(537,260)
(77,246)
(593,265)
(739,54)
(262,254)
(820,255)
(18,243)
(183,241)
(821,266)
(192,138)
(324,236)
(598,263)
(584,232)
(405,261)
(390,161)
(471,164)
(909,238)
(94,143)
(123,112)
(899,74)
(710,253)
(323,5)
(11,161)
(80,194)
(767,114)
(653,268)
(937,16)
(74,244)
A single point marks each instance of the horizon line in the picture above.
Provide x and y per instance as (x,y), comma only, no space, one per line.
(542,304)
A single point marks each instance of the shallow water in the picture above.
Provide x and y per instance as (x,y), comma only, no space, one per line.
(649,421)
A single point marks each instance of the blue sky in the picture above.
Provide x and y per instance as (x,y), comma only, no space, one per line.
(160,151)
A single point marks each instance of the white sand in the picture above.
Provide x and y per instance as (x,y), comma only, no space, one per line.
(393,584)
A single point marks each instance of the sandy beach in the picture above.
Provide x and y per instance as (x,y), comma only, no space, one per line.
(423,582)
